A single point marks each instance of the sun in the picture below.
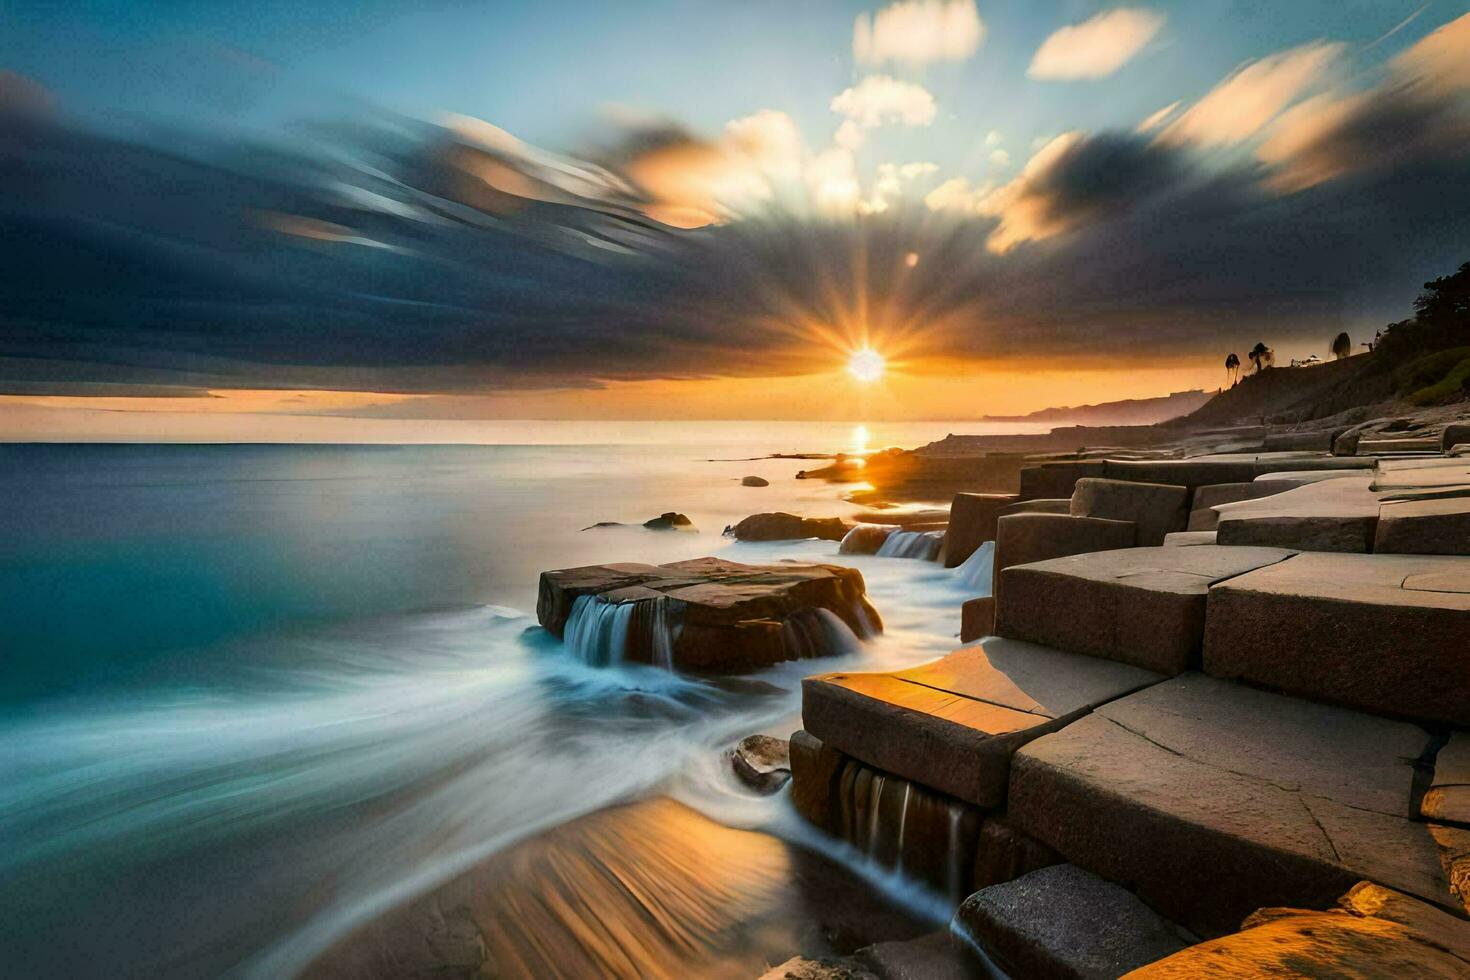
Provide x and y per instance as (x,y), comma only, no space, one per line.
(866,365)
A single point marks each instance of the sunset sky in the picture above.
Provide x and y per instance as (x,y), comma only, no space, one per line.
(459,211)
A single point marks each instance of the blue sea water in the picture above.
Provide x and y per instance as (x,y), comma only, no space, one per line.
(254,695)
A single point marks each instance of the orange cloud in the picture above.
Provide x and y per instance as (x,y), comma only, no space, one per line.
(918,32)
(1096,47)
(1253,95)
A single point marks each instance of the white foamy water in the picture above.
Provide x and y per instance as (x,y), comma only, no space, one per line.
(237,807)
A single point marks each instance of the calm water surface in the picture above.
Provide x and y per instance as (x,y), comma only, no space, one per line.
(255,696)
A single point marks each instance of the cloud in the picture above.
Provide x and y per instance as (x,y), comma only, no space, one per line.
(770,141)
(1073,180)
(1156,119)
(994,138)
(918,32)
(1096,47)
(1000,158)
(1253,95)
(881,100)
(957,196)
(1442,60)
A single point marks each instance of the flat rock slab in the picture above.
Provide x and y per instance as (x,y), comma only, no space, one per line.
(1189,473)
(1024,538)
(1062,921)
(1376,932)
(1448,797)
(1432,526)
(1213,799)
(953,724)
(1203,518)
(1189,539)
(1141,606)
(1300,477)
(1422,474)
(1389,634)
(1329,515)
(712,614)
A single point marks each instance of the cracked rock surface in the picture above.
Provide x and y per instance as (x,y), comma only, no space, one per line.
(1215,799)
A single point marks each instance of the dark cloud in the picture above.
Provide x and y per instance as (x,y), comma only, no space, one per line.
(394,255)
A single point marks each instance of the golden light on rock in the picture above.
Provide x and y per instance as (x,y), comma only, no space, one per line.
(866,365)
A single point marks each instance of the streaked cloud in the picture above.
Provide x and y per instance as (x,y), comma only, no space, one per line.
(957,196)
(1441,60)
(1097,47)
(1253,95)
(918,32)
(880,100)
(1156,119)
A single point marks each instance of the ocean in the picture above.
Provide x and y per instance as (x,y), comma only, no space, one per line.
(256,695)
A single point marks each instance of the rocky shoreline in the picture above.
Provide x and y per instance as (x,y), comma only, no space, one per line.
(1213,719)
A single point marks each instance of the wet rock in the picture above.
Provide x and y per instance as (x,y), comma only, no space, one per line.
(1292,801)
(763,763)
(781,526)
(952,724)
(1155,508)
(1062,921)
(803,968)
(815,770)
(1376,932)
(977,618)
(708,614)
(936,956)
(1004,853)
(754,481)
(1388,634)
(866,539)
(1140,606)
(972,518)
(669,521)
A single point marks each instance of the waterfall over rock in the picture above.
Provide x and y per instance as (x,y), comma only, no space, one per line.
(597,630)
(866,539)
(912,544)
(811,633)
(904,827)
(978,570)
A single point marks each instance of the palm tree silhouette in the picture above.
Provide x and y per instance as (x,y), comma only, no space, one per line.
(1232,366)
(1342,345)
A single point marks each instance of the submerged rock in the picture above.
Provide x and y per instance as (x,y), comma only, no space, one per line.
(763,763)
(669,521)
(706,614)
(755,481)
(866,539)
(780,526)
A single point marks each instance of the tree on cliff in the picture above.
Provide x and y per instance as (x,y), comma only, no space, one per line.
(1342,346)
(1232,367)
(1441,319)
(1262,356)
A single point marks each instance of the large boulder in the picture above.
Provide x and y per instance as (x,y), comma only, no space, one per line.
(972,518)
(780,526)
(953,724)
(669,521)
(1141,606)
(1064,922)
(706,614)
(1374,932)
(1211,798)
(1388,634)
(1155,508)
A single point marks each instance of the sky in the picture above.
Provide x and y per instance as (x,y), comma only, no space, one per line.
(474,210)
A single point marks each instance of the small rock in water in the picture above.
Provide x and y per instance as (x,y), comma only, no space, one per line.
(754,481)
(781,526)
(801,968)
(669,521)
(763,763)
